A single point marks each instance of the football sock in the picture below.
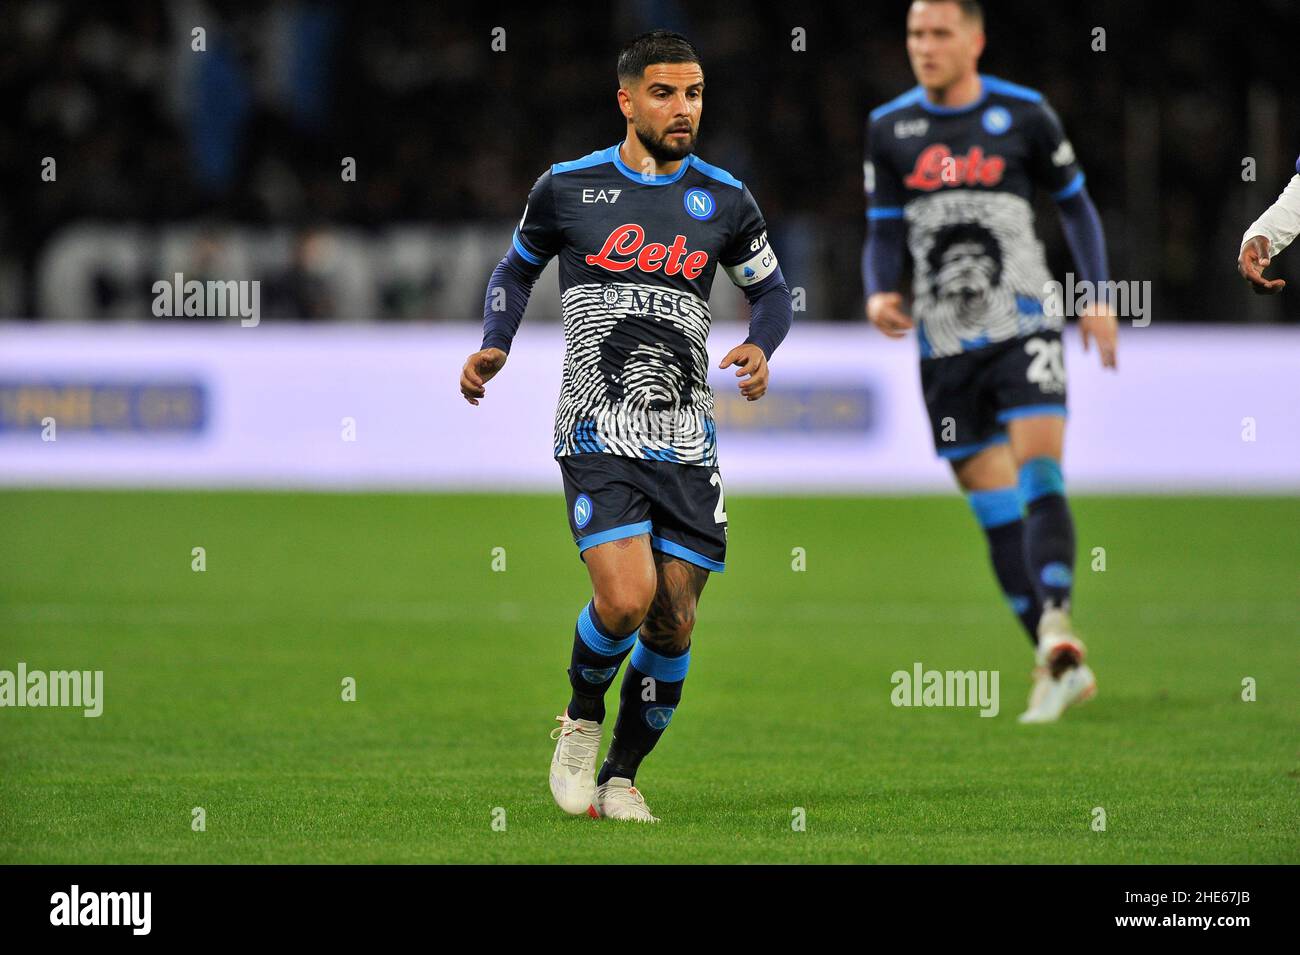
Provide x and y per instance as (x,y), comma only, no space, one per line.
(1049,531)
(597,654)
(998,512)
(652,688)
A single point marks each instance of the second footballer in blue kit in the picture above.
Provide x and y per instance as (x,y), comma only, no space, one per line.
(952,166)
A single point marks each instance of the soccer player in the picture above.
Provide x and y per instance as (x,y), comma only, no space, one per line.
(640,229)
(1268,236)
(951,169)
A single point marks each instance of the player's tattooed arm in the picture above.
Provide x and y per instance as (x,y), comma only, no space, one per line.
(671,618)
(479,369)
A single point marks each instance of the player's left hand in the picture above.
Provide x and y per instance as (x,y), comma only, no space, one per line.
(479,369)
(1252,262)
(749,360)
(1099,323)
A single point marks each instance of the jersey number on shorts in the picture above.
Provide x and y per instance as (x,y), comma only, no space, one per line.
(719,515)
(1046,368)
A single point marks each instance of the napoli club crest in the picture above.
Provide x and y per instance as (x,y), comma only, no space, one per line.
(997,120)
(582,509)
(597,675)
(699,204)
(658,717)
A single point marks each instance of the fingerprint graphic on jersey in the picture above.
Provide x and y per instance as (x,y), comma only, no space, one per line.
(979,274)
(646,376)
(635,375)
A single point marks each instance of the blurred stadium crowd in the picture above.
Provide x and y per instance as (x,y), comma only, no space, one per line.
(448,133)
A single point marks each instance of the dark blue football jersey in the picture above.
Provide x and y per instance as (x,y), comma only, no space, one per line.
(963,179)
(637,256)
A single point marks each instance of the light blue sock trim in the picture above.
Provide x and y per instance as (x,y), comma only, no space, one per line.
(594,636)
(1040,477)
(1056,574)
(667,669)
(995,507)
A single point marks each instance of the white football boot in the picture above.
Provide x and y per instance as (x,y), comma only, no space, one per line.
(1042,683)
(573,767)
(1061,679)
(619,799)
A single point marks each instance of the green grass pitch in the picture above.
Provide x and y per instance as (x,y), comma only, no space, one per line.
(223,688)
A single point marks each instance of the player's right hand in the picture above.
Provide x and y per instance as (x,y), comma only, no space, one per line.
(1252,263)
(479,369)
(885,311)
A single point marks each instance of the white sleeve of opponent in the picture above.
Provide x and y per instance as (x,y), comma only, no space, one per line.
(1280,223)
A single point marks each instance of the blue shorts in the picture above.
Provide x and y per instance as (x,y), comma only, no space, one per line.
(679,505)
(972,396)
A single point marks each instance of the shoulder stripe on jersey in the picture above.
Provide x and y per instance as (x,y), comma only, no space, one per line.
(716,172)
(524,253)
(885,212)
(599,157)
(910,98)
(989,84)
(996,85)
(1073,188)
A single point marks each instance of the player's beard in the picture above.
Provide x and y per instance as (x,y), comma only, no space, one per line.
(661,148)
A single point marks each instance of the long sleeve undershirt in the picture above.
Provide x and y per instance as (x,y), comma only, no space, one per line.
(507,297)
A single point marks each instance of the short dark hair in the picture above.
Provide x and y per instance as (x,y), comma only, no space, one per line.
(970,9)
(657,46)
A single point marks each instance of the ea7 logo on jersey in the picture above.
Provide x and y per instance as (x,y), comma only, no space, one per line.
(937,168)
(629,240)
(600,195)
(906,128)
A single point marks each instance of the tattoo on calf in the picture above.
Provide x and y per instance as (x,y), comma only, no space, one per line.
(671,617)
